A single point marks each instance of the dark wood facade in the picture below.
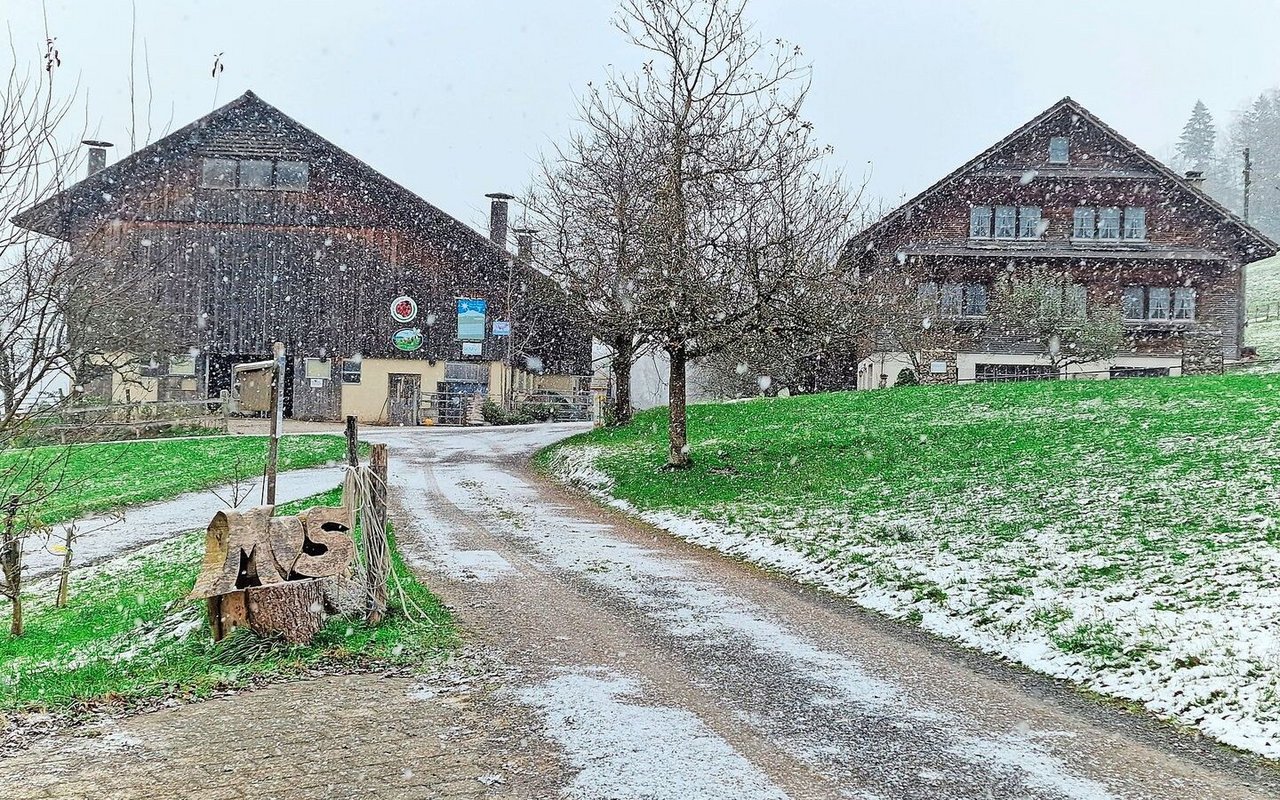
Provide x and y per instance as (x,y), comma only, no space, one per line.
(1187,240)
(314,263)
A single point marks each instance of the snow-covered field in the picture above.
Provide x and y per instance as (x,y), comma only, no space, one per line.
(1190,632)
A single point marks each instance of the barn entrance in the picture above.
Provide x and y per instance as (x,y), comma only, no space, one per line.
(404,394)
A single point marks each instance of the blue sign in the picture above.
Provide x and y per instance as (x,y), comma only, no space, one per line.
(501,327)
(471,314)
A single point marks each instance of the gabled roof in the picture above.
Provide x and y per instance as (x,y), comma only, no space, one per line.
(54,215)
(1065,104)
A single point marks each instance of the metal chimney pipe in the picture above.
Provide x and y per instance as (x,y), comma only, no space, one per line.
(97,155)
(498,217)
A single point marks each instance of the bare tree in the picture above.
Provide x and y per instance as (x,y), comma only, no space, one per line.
(723,233)
(1049,310)
(591,198)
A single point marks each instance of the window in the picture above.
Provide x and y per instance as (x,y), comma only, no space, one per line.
(1135,223)
(351,370)
(975,300)
(1005,217)
(255,174)
(1109,223)
(999,373)
(317,369)
(1132,304)
(1058,150)
(1157,303)
(1073,304)
(927,295)
(182,365)
(952,299)
(1029,222)
(218,173)
(980,222)
(1139,372)
(1083,228)
(1184,303)
(292,175)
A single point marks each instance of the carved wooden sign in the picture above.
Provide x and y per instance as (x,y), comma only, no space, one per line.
(270,572)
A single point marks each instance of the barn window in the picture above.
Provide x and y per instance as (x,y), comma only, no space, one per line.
(318,369)
(351,370)
(255,174)
(1132,305)
(1005,216)
(182,365)
(1135,223)
(292,175)
(1084,220)
(980,222)
(1059,150)
(218,173)
(1028,222)
(1184,303)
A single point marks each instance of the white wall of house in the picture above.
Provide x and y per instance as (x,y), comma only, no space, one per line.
(890,364)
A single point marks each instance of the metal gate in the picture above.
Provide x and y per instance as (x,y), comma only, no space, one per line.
(403,395)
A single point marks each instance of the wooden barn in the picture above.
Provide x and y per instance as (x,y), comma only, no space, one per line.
(254,229)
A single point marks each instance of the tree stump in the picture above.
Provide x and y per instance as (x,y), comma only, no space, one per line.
(293,609)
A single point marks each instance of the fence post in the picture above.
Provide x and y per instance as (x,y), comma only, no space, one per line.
(353,441)
(376,546)
(224,397)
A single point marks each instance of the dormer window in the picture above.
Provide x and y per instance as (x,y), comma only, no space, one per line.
(1059,150)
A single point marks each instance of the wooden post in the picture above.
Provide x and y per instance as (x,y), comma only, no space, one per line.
(277,422)
(11,563)
(353,441)
(376,547)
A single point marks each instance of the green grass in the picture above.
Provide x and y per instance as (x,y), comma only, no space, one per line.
(115,640)
(1262,288)
(100,477)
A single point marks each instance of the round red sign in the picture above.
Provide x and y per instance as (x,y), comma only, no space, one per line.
(404,309)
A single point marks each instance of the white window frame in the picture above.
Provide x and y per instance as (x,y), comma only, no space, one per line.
(1184,298)
(972,291)
(351,370)
(1135,221)
(1029,218)
(1062,142)
(1090,230)
(1138,293)
(1005,224)
(312,370)
(1165,303)
(951,300)
(1109,228)
(980,222)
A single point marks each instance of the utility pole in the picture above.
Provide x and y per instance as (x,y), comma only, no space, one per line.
(1248,168)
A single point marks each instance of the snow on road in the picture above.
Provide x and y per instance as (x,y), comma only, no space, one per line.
(103,536)
(738,667)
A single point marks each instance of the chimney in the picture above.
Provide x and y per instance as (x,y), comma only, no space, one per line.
(97,155)
(524,245)
(498,217)
(1195,177)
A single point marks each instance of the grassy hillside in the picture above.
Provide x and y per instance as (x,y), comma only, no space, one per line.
(1262,288)
(1118,533)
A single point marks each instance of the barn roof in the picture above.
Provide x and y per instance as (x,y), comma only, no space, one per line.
(1065,104)
(94,196)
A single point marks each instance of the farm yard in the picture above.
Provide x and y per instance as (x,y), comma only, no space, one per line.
(1118,534)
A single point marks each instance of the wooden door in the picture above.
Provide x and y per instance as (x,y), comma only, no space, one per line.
(403,395)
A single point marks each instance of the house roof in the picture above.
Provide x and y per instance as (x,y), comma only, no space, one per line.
(1068,104)
(94,194)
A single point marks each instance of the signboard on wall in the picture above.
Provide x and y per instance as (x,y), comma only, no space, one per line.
(472,348)
(407,339)
(404,309)
(471,316)
(501,327)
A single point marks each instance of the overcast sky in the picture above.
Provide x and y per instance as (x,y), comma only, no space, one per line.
(455,99)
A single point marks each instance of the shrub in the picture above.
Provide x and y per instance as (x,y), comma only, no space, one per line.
(907,377)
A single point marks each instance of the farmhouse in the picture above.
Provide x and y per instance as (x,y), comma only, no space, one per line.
(253,229)
(1066,194)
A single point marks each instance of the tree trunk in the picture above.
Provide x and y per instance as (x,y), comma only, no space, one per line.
(677,427)
(293,609)
(11,564)
(624,351)
(64,574)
